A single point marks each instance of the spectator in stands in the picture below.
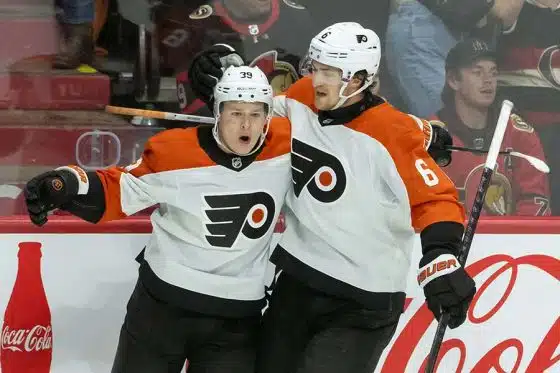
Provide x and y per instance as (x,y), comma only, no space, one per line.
(530,77)
(470,112)
(76,23)
(420,33)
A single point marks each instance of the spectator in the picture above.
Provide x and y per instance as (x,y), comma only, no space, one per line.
(270,34)
(420,33)
(76,22)
(530,77)
(470,111)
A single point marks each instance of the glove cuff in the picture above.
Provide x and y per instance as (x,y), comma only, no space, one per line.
(81,177)
(443,264)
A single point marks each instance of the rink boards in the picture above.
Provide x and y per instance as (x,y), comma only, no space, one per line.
(513,325)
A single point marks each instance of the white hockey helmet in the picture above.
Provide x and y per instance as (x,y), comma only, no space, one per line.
(243,84)
(349,47)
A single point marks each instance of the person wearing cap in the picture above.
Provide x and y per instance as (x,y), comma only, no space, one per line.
(420,33)
(470,114)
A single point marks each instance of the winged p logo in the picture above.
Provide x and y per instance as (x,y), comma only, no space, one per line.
(321,173)
(232,215)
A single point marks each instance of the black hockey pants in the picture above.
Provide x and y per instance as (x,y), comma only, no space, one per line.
(158,338)
(306,331)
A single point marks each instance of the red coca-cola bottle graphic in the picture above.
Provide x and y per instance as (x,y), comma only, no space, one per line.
(27,331)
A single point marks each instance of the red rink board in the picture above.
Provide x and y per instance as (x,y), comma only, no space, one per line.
(141,224)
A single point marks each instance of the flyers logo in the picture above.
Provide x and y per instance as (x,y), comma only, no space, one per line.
(230,215)
(320,172)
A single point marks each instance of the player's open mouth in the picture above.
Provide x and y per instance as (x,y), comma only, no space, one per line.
(320,94)
(244,139)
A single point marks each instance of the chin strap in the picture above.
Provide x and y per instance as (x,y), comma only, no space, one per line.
(343,98)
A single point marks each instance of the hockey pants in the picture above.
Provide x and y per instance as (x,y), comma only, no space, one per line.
(158,338)
(306,331)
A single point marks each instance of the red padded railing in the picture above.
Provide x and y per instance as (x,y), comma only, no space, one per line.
(141,224)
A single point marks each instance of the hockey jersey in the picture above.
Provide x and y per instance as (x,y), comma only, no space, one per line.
(516,188)
(360,189)
(274,40)
(209,247)
(530,64)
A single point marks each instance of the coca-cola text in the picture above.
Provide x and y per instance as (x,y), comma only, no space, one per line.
(543,360)
(35,339)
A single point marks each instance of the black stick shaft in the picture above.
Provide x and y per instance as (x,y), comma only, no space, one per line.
(465,248)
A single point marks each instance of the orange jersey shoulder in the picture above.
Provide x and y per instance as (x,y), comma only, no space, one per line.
(277,141)
(173,150)
(392,127)
(303,92)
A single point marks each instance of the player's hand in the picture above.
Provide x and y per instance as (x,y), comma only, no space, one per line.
(441,139)
(47,192)
(208,67)
(447,286)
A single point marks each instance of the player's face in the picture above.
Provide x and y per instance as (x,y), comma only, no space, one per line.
(477,84)
(327,82)
(241,125)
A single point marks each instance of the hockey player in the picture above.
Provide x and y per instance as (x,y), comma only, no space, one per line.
(200,290)
(271,34)
(470,113)
(363,181)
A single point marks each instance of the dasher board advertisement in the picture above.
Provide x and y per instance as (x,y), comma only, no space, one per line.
(62,310)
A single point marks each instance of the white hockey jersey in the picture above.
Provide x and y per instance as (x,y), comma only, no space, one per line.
(360,189)
(209,247)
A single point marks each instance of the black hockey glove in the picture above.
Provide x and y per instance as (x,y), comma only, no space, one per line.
(48,191)
(208,67)
(447,286)
(441,139)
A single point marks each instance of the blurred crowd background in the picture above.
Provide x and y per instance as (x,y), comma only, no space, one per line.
(453,62)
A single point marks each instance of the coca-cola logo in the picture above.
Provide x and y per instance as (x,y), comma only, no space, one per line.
(543,360)
(37,338)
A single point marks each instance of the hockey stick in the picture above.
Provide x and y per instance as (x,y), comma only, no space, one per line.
(474,215)
(158,114)
(535,162)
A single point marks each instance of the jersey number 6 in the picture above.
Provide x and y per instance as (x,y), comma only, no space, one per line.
(429,176)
